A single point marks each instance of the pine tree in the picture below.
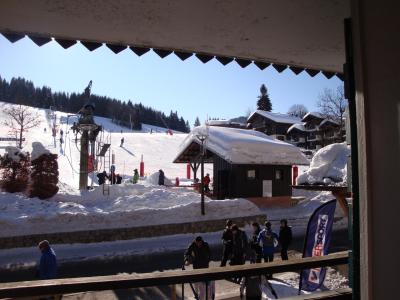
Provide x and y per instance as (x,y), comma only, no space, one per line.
(197,122)
(264,103)
(44,175)
(15,170)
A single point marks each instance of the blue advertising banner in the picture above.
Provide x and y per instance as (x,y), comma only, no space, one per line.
(318,238)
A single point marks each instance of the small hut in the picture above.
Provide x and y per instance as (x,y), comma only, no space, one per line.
(246,163)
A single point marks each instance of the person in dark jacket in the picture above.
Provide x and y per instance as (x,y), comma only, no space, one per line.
(227,243)
(239,246)
(285,238)
(255,247)
(161,177)
(198,253)
(48,261)
(102,177)
(118,179)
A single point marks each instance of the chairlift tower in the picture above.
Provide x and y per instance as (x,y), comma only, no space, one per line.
(89,131)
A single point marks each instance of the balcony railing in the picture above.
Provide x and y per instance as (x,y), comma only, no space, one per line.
(101,283)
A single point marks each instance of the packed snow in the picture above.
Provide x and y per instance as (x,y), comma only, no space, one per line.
(14,153)
(131,205)
(328,166)
(37,150)
(153,179)
(145,203)
(240,146)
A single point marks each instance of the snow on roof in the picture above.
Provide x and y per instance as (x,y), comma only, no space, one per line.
(313,114)
(328,120)
(38,149)
(276,117)
(241,146)
(298,126)
(218,122)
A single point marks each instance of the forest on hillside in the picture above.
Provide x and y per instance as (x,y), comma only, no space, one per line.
(128,114)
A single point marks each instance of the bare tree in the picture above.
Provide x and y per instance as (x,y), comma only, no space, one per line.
(332,104)
(20,120)
(297,110)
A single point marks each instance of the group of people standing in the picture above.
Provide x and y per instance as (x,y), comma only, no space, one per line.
(262,244)
(237,247)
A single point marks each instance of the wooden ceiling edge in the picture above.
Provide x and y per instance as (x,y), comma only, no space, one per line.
(253,59)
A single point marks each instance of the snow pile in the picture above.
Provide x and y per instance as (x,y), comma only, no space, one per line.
(240,146)
(131,205)
(38,149)
(14,153)
(328,165)
(153,179)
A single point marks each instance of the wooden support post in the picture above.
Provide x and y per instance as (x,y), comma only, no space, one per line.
(173,292)
(83,169)
(341,199)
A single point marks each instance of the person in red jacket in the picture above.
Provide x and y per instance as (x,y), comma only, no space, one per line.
(207,181)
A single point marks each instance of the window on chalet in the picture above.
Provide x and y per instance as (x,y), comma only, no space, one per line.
(251,174)
(278,174)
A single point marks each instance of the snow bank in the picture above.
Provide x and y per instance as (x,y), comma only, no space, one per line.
(38,149)
(328,165)
(130,205)
(153,179)
(14,153)
(240,146)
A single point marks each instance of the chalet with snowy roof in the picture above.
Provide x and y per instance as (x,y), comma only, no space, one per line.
(246,163)
(275,125)
(314,132)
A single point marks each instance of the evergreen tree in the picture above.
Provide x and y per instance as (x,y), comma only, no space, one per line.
(44,175)
(15,170)
(264,103)
(197,122)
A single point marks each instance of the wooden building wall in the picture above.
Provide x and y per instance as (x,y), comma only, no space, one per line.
(231,181)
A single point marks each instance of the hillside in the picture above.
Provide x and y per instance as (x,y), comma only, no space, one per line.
(158,149)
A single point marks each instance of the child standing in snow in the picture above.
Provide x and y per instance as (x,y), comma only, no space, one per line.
(135,177)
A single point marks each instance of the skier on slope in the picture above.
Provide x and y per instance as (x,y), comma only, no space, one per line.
(161,177)
(122,142)
(135,177)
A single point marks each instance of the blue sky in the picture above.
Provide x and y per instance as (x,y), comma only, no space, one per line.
(190,87)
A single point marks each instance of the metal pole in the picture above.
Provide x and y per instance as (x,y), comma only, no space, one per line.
(203,212)
(83,170)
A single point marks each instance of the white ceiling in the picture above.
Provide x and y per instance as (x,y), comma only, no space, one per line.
(303,33)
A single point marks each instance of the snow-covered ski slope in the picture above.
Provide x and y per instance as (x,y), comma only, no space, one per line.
(158,149)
